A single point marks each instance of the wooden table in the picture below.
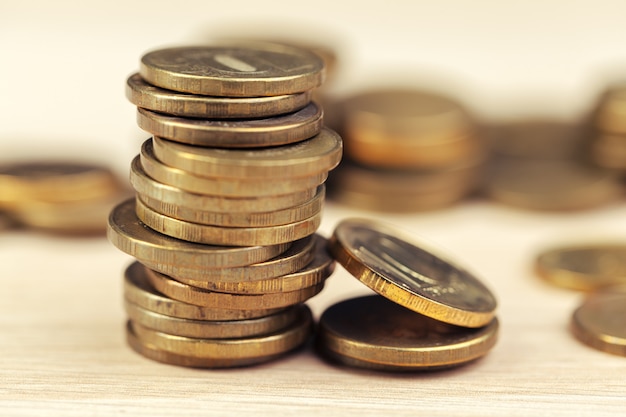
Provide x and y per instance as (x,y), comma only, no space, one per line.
(62,348)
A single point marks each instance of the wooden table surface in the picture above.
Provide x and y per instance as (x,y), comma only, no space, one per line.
(63,353)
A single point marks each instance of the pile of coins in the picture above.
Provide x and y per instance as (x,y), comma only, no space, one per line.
(541,165)
(230,192)
(599,270)
(58,197)
(406,150)
(428,314)
(608,145)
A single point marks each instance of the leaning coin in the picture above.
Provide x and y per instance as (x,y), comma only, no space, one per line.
(176,197)
(312,274)
(228,236)
(227,219)
(138,290)
(387,261)
(375,333)
(218,353)
(222,329)
(320,153)
(201,297)
(296,257)
(222,186)
(131,236)
(148,96)
(600,321)
(610,115)
(234,70)
(583,267)
(234,133)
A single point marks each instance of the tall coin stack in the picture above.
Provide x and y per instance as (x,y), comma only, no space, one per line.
(230,190)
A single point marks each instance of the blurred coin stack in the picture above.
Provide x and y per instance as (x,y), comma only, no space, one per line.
(406,150)
(608,144)
(229,196)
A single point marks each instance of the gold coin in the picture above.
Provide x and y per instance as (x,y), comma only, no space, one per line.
(235,70)
(318,154)
(235,133)
(228,236)
(408,129)
(223,329)
(388,262)
(551,184)
(222,186)
(218,353)
(148,96)
(583,267)
(600,322)
(609,151)
(226,219)
(611,112)
(55,182)
(131,236)
(373,332)
(167,194)
(201,297)
(299,254)
(312,274)
(388,190)
(138,290)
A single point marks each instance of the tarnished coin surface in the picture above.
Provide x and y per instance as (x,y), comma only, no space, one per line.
(600,321)
(320,153)
(131,236)
(219,353)
(583,267)
(137,290)
(236,70)
(386,260)
(375,333)
(236,133)
(148,96)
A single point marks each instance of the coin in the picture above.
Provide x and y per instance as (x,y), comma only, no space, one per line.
(198,296)
(128,234)
(218,353)
(223,329)
(311,274)
(551,184)
(222,186)
(375,333)
(408,129)
(148,96)
(167,194)
(584,267)
(227,219)
(610,116)
(386,260)
(600,322)
(609,151)
(138,290)
(55,182)
(228,236)
(296,257)
(234,133)
(321,153)
(237,70)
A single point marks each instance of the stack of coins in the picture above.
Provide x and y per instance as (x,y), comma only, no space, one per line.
(230,191)
(608,144)
(428,314)
(59,197)
(406,150)
(540,165)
